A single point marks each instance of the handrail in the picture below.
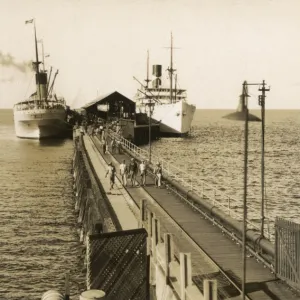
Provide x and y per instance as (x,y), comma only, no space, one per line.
(205,190)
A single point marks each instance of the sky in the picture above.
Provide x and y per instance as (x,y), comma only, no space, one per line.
(99,45)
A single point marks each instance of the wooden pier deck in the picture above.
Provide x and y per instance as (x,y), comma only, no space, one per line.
(221,250)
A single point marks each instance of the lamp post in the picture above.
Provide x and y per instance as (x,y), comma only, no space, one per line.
(245,93)
(150,105)
(262,104)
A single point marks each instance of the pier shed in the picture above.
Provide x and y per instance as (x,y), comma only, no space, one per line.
(111,106)
(129,124)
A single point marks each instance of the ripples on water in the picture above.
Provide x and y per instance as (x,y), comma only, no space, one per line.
(215,153)
(38,235)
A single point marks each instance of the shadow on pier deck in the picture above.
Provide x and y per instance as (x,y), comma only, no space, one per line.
(220,257)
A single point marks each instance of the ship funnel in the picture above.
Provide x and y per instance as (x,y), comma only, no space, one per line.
(41,84)
(156,70)
(156,83)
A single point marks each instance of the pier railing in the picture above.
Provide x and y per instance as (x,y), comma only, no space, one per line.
(287,243)
(228,204)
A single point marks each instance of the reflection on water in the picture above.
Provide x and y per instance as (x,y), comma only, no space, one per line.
(52,142)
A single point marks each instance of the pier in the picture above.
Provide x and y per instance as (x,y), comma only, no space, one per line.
(182,241)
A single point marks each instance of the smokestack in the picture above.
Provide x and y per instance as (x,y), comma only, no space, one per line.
(41,85)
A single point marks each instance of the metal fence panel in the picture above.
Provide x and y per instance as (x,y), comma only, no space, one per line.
(287,243)
(118,264)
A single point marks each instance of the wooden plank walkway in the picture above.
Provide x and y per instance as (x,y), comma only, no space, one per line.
(261,283)
(116,198)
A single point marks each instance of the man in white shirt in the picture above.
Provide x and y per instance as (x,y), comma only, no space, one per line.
(143,173)
(123,172)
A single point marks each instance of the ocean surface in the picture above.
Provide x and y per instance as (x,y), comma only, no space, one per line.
(38,235)
(215,153)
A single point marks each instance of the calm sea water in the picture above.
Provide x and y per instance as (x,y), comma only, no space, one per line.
(215,153)
(38,235)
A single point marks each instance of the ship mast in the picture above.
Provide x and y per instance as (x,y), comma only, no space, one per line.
(147,79)
(43,55)
(47,86)
(175,87)
(171,70)
(51,87)
(37,59)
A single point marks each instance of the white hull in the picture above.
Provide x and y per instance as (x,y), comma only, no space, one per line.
(174,118)
(40,123)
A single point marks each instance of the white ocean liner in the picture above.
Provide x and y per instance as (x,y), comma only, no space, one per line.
(43,114)
(169,105)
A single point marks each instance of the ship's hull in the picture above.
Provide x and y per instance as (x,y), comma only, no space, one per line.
(41,124)
(175,118)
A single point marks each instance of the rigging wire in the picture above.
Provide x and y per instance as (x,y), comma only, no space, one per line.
(28,85)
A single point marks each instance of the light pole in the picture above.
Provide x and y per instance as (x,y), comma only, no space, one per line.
(262,104)
(245,93)
(150,105)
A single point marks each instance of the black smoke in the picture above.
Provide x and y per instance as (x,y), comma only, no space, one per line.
(8,61)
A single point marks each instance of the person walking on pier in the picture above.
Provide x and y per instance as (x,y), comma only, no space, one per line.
(113,146)
(81,130)
(143,173)
(101,132)
(111,171)
(158,174)
(123,172)
(104,146)
(118,146)
(133,169)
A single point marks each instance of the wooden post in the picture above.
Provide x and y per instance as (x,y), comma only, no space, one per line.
(149,229)
(169,254)
(185,273)
(210,291)
(158,231)
(150,216)
(67,286)
(142,212)
(154,238)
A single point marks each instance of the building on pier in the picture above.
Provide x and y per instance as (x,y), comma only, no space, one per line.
(115,107)
(111,106)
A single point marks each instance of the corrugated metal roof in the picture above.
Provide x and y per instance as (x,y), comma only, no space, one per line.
(101,98)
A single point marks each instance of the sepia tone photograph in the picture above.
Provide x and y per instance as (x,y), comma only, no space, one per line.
(149,150)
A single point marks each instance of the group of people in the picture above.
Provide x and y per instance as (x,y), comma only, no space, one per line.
(131,172)
(115,146)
